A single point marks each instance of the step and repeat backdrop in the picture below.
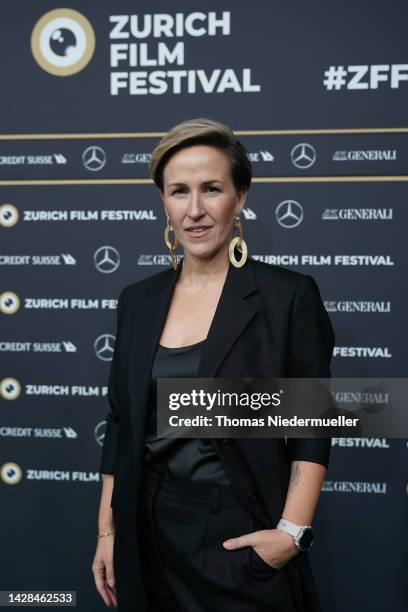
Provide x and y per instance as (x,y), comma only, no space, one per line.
(318,95)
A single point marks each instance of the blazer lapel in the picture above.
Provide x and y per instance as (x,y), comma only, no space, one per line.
(150,317)
(232,315)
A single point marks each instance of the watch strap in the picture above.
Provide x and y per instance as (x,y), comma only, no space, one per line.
(291,528)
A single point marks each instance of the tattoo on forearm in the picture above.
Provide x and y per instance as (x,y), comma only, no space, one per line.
(294,475)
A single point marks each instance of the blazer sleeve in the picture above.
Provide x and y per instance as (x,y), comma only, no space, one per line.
(311,343)
(112,418)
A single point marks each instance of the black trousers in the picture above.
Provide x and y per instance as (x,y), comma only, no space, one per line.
(185,568)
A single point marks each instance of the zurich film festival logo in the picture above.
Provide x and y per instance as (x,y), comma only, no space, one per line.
(10,473)
(9,302)
(63,42)
(10,388)
(8,215)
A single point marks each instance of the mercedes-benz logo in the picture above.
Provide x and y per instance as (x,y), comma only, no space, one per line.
(107,259)
(94,158)
(99,432)
(289,214)
(104,346)
(303,155)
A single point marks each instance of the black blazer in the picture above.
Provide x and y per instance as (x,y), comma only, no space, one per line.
(270,322)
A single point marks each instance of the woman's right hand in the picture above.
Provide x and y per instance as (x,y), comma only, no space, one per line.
(102,568)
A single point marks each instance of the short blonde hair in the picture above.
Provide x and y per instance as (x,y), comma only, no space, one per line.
(207,132)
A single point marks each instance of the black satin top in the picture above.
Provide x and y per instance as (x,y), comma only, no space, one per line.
(188,459)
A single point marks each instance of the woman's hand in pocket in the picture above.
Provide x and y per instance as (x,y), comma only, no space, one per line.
(274,546)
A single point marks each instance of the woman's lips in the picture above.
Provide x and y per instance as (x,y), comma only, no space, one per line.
(199,232)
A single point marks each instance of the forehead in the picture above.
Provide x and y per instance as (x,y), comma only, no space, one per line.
(197,162)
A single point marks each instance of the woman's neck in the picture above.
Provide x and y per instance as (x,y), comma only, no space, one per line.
(197,272)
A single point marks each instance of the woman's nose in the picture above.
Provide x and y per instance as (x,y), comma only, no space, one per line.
(196,205)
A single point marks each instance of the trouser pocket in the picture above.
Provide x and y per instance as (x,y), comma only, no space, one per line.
(223,525)
(258,566)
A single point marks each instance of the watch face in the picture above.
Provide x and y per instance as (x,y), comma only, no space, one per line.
(306,539)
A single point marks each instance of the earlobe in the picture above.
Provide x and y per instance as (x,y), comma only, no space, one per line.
(242,201)
(239,209)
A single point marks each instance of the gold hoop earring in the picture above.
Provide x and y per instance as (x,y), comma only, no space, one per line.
(171,245)
(239,242)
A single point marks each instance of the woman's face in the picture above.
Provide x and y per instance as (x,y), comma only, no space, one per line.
(198,191)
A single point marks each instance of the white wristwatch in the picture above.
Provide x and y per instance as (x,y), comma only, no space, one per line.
(302,534)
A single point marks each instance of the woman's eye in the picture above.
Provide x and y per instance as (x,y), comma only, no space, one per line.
(182,190)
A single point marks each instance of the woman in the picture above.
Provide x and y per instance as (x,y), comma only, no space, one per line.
(208,525)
